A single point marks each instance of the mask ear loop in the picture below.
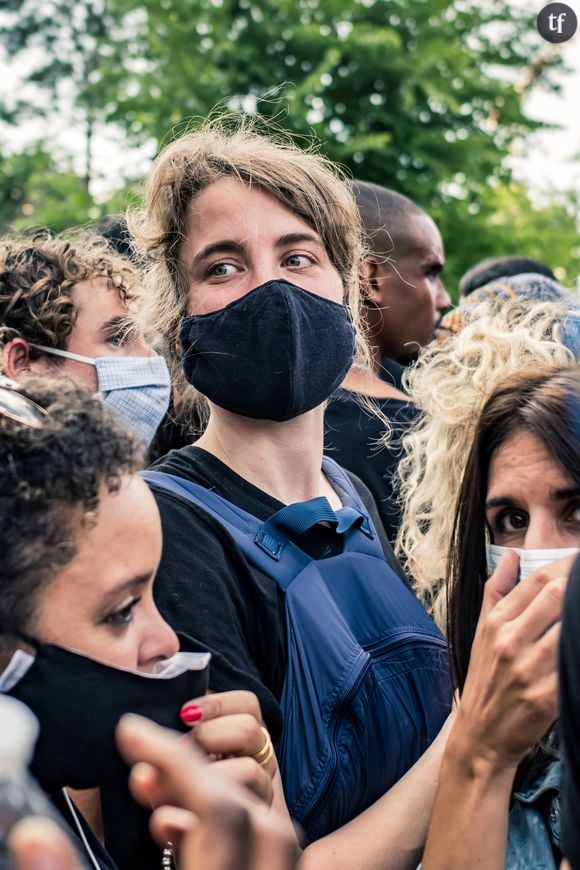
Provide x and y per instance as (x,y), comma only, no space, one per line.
(28,639)
(67,354)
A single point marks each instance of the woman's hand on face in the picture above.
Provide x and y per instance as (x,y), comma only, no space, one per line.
(510,695)
(220,828)
(228,727)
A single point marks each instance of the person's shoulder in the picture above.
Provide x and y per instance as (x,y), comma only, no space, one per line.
(572,603)
(575,573)
(188,462)
(570,639)
(190,530)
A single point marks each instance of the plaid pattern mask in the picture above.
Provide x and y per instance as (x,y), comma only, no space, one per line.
(137,387)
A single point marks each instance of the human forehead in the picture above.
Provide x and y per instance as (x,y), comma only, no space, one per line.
(423,236)
(119,542)
(97,301)
(524,462)
(230,209)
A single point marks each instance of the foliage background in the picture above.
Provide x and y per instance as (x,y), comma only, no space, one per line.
(425,96)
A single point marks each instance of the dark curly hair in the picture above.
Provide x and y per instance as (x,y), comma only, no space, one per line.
(49,487)
(37,278)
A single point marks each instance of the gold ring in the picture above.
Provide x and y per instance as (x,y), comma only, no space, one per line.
(266,753)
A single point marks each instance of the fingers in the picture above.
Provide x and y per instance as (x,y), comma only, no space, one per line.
(248,773)
(38,844)
(213,706)
(222,842)
(236,734)
(227,723)
(543,658)
(151,789)
(515,602)
(229,830)
(234,838)
(179,770)
(501,582)
(148,785)
(170,825)
(542,612)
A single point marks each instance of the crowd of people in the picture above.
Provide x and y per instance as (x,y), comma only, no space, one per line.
(286,538)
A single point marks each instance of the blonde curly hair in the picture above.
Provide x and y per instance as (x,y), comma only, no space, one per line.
(37,278)
(450,384)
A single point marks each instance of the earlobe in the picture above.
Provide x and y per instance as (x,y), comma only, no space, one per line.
(15,358)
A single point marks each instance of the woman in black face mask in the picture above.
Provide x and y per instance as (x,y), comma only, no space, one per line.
(81,639)
(274,558)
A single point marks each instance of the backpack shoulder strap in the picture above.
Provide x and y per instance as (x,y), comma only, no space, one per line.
(275,556)
(344,486)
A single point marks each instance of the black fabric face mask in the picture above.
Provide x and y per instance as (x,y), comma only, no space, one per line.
(273,354)
(78,702)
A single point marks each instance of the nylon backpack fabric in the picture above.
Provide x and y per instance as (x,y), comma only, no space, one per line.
(367,684)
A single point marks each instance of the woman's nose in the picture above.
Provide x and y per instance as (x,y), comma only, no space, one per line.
(161,642)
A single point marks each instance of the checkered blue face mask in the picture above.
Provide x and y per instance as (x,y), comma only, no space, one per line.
(137,387)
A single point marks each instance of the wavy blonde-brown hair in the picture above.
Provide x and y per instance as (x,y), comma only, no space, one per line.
(450,384)
(302,180)
(37,278)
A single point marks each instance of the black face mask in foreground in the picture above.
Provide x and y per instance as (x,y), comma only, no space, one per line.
(78,702)
(273,354)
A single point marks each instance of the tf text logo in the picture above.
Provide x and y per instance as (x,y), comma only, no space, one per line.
(557,22)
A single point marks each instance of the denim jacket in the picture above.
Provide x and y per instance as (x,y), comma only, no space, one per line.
(534,820)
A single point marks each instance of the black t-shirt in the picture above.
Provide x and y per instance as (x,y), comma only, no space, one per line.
(206,588)
(352,436)
(570,718)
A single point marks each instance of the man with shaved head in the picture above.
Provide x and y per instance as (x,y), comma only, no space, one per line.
(404,292)
(404,298)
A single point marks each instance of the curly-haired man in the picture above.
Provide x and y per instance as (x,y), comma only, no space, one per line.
(65,312)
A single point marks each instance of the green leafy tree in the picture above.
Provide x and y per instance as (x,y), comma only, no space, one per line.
(404,92)
(424,96)
(68,41)
(37,192)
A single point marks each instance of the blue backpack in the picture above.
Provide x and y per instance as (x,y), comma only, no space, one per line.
(367,684)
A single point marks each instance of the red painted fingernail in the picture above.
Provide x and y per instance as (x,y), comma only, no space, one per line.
(191,713)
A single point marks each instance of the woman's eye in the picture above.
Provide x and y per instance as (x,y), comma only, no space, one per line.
(297,260)
(574,514)
(220,270)
(513,521)
(124,615)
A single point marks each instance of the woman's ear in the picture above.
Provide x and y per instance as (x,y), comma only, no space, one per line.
(15,358)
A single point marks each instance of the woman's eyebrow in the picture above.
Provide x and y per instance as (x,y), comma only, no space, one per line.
(565,492)
(295,239)
(500,501)
(224,246)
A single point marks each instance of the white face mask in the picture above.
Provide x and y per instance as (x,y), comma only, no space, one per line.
(529,559)
(137,387)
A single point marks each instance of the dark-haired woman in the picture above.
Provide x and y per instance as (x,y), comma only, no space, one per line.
(81,640)
(498,799)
